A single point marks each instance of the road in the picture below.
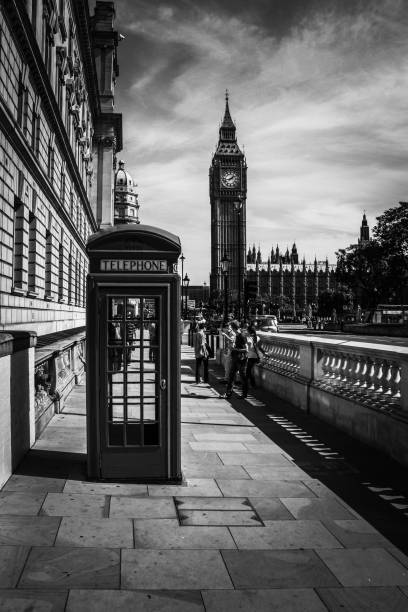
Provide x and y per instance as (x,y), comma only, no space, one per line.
(297,329)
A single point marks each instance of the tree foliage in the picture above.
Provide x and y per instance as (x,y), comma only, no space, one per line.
(377,271)
(340,301)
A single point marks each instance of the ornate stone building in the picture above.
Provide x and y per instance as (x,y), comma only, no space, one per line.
(59,136)
(58,139)
(126,208)
(228,189)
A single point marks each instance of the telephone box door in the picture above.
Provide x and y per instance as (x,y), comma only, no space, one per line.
(134,381)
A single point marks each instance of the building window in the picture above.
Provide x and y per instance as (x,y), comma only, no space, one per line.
(62,185)
(51,159)
(61,273)
(32,253)
(22,103)
(70,279)
(48,264)
(36,127)
(18,245)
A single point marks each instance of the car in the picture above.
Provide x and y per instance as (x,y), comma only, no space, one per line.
(267,324)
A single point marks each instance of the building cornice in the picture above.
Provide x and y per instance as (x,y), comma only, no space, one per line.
(81,9)
(13,134)
(22,30)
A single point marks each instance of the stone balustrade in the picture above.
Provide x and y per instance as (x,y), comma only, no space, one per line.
(359,387)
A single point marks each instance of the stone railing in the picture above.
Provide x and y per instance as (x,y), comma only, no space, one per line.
(360,387)
(374,375)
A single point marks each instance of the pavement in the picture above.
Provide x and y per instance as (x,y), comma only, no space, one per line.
(260,523)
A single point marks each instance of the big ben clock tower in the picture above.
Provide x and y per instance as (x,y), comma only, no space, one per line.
(228,187)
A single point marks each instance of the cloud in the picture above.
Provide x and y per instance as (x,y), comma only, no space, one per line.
(319,101)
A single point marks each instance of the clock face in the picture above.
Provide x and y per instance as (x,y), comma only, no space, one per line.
(229,178)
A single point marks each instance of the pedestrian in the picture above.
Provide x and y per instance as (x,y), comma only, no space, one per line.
(201,352)
(239,358)
(254,354)
(229,341)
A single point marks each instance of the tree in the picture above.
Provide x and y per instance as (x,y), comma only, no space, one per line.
(361,268)
(391,233)
(340,301)
(377,271)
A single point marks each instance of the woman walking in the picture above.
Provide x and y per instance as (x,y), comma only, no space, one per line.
(201,352)
(254,356)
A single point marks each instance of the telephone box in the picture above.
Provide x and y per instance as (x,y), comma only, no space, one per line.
(133,355)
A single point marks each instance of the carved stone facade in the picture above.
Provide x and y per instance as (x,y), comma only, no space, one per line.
(58,139)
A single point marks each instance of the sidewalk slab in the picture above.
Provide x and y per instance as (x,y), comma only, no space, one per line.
(251,527)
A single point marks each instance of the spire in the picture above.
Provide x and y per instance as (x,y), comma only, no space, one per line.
(364,231)
(227,121)
(227,144)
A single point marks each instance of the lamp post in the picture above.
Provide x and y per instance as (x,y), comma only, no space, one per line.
(238,208)
(182,258)
(225,265)
(186,281)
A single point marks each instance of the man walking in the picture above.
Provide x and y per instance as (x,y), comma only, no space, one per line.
(239,358)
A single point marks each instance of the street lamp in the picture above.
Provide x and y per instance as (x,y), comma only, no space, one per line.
(182,258)
(225,262)
(238,208)
(186,281)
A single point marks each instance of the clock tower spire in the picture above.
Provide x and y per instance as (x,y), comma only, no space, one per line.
(228,188)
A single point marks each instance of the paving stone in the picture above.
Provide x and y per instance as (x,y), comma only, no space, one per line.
(12,559)
(15,502)
(219,517)
(74,504)
(224,437)
(188,456)
(365,567)
(270,509)
(88,600)
(273,472)
(37,484)
(92,532)
(134,507)
(247,459)
(285,534)
(25,600)
(28,530)
(268,600)
(262,448)
(267,569)
(167,533)
(218,446)
(318,488)
(103,488)
(364,599)
(65,568)
(212,503)
(174,569)
(356,534)
(206,487)
(262,488)
(326,508)
(215,471)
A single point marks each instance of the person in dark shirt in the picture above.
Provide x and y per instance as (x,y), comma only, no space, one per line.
(239,358)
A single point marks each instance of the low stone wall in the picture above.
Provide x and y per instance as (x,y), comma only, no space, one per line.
(17,415)
(377,329)
(360,388)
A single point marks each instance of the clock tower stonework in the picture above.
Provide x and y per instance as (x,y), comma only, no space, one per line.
(228,188)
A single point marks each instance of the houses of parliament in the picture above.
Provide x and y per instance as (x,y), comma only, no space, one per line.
(279,281)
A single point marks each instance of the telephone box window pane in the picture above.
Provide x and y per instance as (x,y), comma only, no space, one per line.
(133,389)
(151,434)
(116,308)
(133,308)
(116,435)
(150,308)
(116,410)
(149,412)
(116,390)
(133,434)
(115,359)
(133,376)
(133,412)
(149,390)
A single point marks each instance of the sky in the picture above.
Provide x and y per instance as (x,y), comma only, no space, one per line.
(319,95)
